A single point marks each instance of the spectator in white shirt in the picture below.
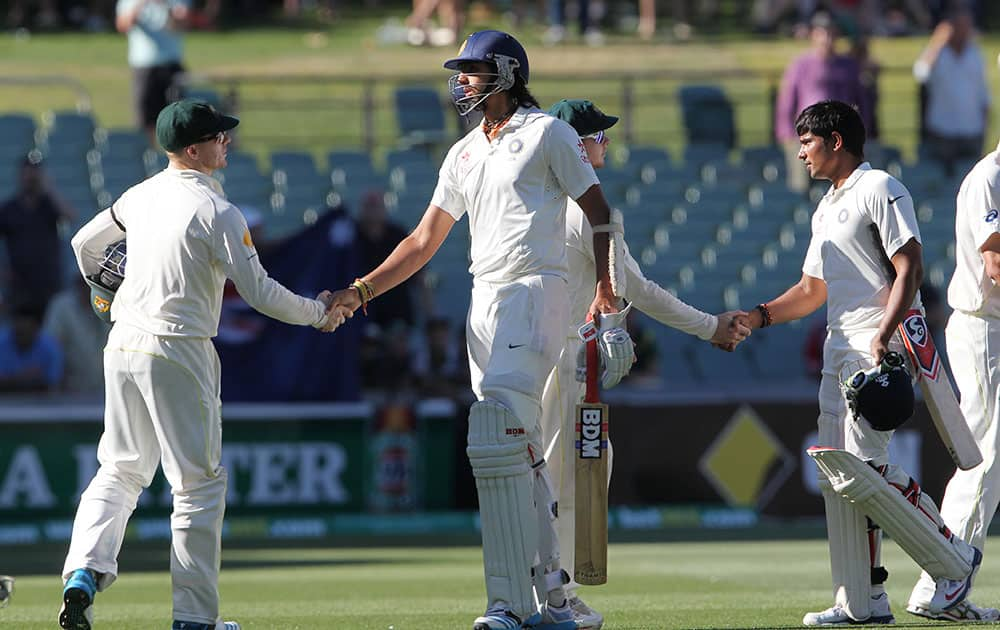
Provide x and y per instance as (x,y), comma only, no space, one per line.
(958,101)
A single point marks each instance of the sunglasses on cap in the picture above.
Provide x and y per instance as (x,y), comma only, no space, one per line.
(219,137)
(597,137)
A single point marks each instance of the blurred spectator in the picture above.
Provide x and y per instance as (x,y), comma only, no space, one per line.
(81,336)
(387,363)
(451,17)
(438,362)
(30,359)
(869,72)
(377,237)
(556,33)
(20,14)
(155,54)
(766,14)
(29,223)
(952,71)
(817,75)
(647,19)
(684,14)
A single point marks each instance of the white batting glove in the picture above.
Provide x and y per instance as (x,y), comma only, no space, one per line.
(617,356)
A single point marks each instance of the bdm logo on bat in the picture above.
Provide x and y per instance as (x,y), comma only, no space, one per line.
(592,438)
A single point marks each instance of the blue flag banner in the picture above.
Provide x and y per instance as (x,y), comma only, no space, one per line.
(267,360)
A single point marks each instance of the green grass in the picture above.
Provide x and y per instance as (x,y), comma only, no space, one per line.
(651,586)
(275,114)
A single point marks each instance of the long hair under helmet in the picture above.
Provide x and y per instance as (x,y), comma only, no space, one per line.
(496,48)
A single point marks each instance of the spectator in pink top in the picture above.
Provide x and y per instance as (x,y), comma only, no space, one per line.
(817,75)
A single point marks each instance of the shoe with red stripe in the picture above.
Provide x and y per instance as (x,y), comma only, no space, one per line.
(951,593)
(965,611)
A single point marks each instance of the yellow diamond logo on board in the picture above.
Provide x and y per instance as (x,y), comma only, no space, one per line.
(746,463)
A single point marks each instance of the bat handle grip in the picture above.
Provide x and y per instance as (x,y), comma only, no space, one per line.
(592,394)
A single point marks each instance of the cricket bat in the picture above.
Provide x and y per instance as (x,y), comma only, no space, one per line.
(591,548)
(934,382)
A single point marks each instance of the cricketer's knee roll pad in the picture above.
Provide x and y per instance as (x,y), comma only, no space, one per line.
(498,453)
(896,503)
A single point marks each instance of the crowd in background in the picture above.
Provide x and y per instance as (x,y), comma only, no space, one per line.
(440,22)
(50,341)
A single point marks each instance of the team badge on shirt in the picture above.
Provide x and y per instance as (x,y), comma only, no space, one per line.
(992,215)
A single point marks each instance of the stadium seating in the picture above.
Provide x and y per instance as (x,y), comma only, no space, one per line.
(420,116)
(708,116)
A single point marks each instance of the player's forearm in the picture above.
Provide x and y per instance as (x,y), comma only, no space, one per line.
(797,302)
(992,265)
(664,307)
(904,290)
(405,260)
(598,212)
(269,297)
(90,241)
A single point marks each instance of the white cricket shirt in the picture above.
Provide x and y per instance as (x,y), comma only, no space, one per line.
(971,290)
(843,251)
(513,188)
(184,238)
(644,294)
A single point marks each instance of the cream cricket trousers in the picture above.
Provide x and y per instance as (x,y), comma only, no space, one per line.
(972,496)
(162,407)
(515,334)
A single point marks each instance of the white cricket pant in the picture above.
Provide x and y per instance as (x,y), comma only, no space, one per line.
(847,532)
(515,333)
(162,406)
(971,497)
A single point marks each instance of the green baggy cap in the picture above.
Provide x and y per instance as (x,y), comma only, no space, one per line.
(185,122)
(583,115)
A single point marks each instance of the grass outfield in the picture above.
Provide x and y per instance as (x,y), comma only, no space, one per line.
(652,586)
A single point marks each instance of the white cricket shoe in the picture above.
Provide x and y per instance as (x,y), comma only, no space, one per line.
(837,616)
(964,611)
(500,618)
(586,617)
(951,593)
(6,589)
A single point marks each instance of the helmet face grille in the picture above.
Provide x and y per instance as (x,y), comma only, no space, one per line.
(113,265)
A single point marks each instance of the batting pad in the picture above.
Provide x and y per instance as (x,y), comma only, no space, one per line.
(498,453)
(546,507)
(847,534)
(910,517)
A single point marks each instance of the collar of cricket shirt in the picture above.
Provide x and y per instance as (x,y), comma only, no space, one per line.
(208,180)
(850,182)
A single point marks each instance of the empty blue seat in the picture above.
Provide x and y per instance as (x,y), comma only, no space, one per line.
(708,115)
(18,133)
(420,114)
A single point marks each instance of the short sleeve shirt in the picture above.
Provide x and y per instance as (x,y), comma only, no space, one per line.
(855,227)
(514,189)
(152,41)
(977,219)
